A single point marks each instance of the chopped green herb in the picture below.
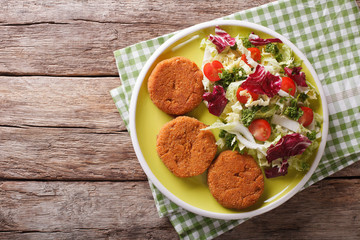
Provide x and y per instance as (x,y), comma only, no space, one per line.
(222,133)
(266,112)
(247,43)
(303,97)
(312,135)
(283,99)
(229,139)
(293,111)
(234,47)
(274,50)
(293,102)
(279,57)
(305,166)
(248,115)
(227,77)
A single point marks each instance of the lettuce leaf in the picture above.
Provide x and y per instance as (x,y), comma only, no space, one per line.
(270,63)
(300,162)
(231,91)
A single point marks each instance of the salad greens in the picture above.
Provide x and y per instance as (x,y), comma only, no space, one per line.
(293,111)
(234,75)
(274,50)
(249,90)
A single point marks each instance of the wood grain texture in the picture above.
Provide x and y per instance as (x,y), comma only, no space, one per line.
(60,102)
(75,38)
(120,210)
(68,154)
(75,210)
(67,128)
(67,166)
(76,154)
(63,128)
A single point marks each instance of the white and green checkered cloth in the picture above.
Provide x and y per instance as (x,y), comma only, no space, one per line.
(328,33)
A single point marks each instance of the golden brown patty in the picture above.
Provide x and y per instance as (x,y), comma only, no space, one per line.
(175,85)
(184,148)
(235,180)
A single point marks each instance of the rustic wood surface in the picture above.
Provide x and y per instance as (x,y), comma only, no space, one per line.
(67,167)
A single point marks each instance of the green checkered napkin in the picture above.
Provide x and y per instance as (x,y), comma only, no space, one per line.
(328,33)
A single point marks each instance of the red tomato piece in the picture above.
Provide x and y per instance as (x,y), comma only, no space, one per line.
(288,85)
(307,118)
(244,99)
(212,70)
(243,57)
(255,54)
(260,129)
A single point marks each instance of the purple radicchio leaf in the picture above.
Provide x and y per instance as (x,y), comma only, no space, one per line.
(262,82)
(295,74)
(257,41)
(288,146)
(221,39)
(276,171)
(216,100)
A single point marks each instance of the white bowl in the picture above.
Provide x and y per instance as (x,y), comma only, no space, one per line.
(143,162)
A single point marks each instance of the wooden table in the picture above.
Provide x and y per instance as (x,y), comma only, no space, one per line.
(67,166)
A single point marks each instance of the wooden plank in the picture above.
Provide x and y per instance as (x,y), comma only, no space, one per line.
(126,210)
(77,209)
(126,11)
(351,171)
(67,153)
(72,38)
(327,210)
(63,128)
(76,153)
(68,128)
(60,102)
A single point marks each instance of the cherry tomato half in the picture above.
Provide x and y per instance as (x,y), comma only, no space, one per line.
(288,85)
(212,70)
(307,118)
(243,57)
(260,129)
(255,54)
(244,99)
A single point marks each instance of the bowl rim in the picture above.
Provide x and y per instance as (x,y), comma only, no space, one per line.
(141,158)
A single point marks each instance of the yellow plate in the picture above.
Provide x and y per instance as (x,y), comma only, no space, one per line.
(146,120)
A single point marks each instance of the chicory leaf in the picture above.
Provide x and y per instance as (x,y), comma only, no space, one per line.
(216,100)
(257,41)
(295,74)
(288,146)
(262,82)
(276,171)
(221,39)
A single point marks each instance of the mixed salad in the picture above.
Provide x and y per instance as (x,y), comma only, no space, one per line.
(263,100)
